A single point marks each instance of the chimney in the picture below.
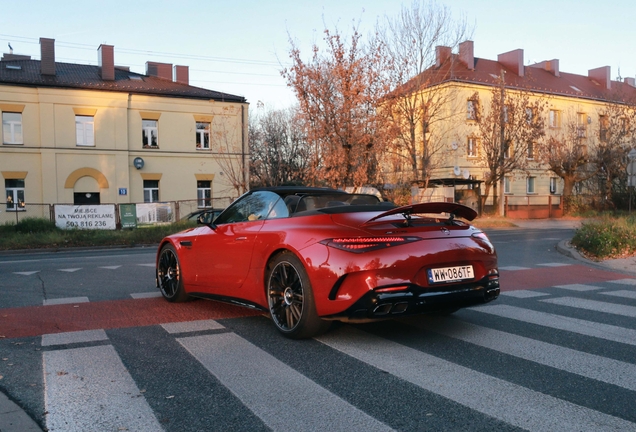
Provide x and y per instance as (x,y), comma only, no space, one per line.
(602,75)
(551,66)
(630,81)
(512,60)
(47,58)
(466,54)
(106,61)
(182,74)
(161,70)
(442,53)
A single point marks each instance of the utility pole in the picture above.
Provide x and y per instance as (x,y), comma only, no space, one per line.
(502,142)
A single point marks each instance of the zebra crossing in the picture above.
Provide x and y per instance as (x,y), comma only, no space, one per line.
(556,359)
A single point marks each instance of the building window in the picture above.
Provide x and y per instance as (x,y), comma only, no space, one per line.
(507,182)
(554,120)
(472,147)
(204,193)
(507,149)
(149,134)
(472,108)
(151,191)
(581,125)
(85,130)
(603,125)
(530,185)
(12,128)
(530,115)
(203,135)
(15,194)
(553,185)
(530,150)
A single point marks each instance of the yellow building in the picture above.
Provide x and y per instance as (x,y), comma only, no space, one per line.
(80,134)
(464,85)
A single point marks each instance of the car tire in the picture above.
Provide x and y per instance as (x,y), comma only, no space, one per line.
(169,277)
(290,298)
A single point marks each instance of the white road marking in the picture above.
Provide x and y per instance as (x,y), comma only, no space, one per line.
(523,294)
(624,281)
(621,293)
(147,265)
(593,305)
(71,270)
(68,300)
(281,397)
(110,267)
(151,294)
(28,273)
(578,287)
(580,363)
(191,326)
(511,403)
(574,325)
(90,389)
(73,337)
(554,264)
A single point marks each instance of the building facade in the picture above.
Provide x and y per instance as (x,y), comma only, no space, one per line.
(466,86)
(78,134)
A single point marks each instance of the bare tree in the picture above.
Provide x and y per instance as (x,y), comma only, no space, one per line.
(278,149)
(338,91)
(511,124)
(418,107)
(566,153)
(232,153)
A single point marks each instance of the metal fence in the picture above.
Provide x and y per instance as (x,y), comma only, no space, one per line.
(533,206)
(174,211)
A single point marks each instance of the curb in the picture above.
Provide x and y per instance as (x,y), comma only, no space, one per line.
(618,265)
(15,419)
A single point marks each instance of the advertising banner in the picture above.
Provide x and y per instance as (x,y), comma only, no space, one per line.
(128,215)
(85,216)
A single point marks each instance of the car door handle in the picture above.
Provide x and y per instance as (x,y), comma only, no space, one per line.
(241,238)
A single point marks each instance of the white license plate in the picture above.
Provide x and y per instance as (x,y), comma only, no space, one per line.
(450,274)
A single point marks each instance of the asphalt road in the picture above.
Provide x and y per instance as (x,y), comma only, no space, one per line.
(556,351)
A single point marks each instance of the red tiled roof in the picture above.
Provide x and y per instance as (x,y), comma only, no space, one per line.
(535,79)
(70,75)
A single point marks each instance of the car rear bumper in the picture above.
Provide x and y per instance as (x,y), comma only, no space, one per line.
(412,299)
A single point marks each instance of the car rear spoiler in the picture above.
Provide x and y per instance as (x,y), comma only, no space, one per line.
(454,209)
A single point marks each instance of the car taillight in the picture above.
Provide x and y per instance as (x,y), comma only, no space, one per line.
(366,244)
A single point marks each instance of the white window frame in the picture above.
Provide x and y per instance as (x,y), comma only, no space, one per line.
(151,193)
(85,130)
(531,185)
(204,193)
(14,196)
(149,130)
(202,138)
(471,109)
(12,131)
(507,184)
(472,147)
(530,150)
(554,119)
(553,185)
(581,123)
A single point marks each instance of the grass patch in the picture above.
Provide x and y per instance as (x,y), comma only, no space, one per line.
(33,233)
(606,237)
(493,222)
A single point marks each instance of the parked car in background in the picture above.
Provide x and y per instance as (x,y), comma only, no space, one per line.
(310,256)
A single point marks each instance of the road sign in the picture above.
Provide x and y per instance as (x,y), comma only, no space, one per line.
(631,168)
(632,154)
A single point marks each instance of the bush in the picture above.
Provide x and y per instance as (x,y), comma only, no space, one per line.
(35,225)
(608,237)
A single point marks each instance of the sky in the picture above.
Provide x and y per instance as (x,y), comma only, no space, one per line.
(240,47)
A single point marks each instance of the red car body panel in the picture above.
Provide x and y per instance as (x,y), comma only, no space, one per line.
(229,261)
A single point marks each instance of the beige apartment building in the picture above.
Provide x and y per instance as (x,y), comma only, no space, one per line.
(461,79)
(80,134)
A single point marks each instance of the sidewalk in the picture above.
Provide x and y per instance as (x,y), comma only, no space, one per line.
(14,419)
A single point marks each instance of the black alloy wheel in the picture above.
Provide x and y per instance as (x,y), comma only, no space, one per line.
(169,275)
(291,300)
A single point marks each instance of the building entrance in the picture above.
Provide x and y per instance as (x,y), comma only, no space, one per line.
(86,198)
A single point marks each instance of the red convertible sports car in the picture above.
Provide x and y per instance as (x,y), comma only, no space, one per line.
(309,256)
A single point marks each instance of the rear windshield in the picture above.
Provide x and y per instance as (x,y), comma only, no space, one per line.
(305,203)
